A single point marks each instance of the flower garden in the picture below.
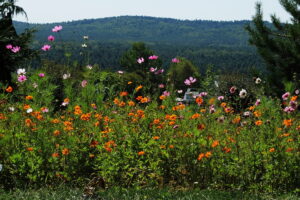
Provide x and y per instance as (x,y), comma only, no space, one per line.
(103,130)
(135,139)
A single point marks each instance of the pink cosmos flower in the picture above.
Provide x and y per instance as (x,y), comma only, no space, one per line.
(293,104)
(152,69)
(175,60)
(285,96)
(140,60)
(161,85)
(212,109)
(232,89)
(190,81)
(16,49)
(257,102)
(176,126)
(9,46)
(203,94)
(57,29)
(159,71)
(84,83)
(22,78)
(41,75)
(46,47)
(153,57)
(220,98)
(45,110)
(51,38)
(166,93)
(289,109)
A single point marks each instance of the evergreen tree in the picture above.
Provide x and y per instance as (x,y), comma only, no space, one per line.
(129,60)
(279,45)
(9,58)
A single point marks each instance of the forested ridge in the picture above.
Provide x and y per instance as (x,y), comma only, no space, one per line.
(223,44)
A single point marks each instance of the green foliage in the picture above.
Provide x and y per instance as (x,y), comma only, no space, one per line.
(105,133)
(278,45)
(178,72)
(69,192)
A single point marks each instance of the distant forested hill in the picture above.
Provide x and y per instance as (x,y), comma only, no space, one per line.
(222,44)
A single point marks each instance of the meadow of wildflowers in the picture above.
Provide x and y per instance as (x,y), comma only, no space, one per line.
(123,135)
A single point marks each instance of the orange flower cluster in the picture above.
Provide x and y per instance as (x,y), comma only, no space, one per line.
(226,149)
(29,97)
(215,143)
(195,116)
(202,155)
(77,110)
(108,145)
(86,117)
(138,88)
(2,116)
(287,122)
(56,133)
(37,115)
(199,100)
(178,107)
(65,151)
(258,123)
(68,126)
(9,89)
(123,94)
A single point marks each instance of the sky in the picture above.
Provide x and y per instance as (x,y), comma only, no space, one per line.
(46,11)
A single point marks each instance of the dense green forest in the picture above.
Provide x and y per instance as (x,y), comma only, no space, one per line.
(221,44)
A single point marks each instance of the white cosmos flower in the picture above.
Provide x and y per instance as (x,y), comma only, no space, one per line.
(258,81)
(66,76)
(35,85)
(21,71)
(243,93)
(1,167)
(29,110)
(84,45)
(89,67)
(11,109)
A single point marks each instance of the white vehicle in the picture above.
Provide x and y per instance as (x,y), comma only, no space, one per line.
(189,95)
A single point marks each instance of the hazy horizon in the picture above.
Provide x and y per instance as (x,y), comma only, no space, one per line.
(70,10)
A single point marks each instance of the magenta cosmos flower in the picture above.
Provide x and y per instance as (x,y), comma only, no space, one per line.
(16,49)
(51,38)
(41,75)
(175,60)
(9,46)
(46,47)
(153,57)
(22,78)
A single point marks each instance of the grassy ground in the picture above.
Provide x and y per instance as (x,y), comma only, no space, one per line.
(64,193)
